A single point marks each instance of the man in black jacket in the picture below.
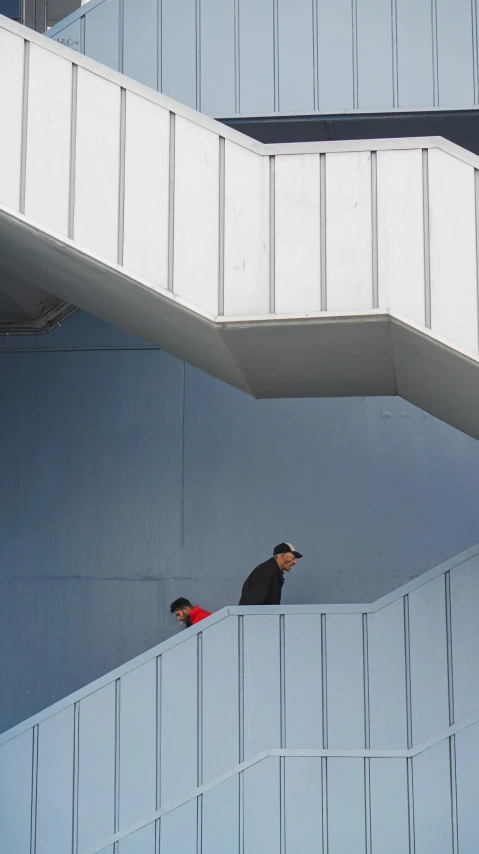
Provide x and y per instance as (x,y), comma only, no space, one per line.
(263,585)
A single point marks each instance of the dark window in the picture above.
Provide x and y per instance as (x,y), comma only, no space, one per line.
(59,9)
(10,8)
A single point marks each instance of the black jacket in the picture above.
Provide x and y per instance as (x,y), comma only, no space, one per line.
(263,585)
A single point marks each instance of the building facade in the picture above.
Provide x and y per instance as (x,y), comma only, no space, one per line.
(138,467)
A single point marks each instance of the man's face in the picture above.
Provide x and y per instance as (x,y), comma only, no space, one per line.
(182,614)
(286,561)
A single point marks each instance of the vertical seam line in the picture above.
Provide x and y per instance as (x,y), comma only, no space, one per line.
(121,182)
(474,49)
(34,784)
(183,436)
(322,231)
(395,56)
(407,671)
(76,775)
(315,14)
(367,733)
(237,56)
(198,53)
(171,203)
(221,225)
(324,804)
(73,147)
(374,228)
(82,34)
(427,238)
(453,781)
(410,798)
(367,805)
(324,682)
(276,92)
(159,66)
(450,672)
(435,54)
(199,740)
(476,201)
(23,156)
(121,40)
(241,730)
(272,235)
(158,731)
(354,22)
(116,819)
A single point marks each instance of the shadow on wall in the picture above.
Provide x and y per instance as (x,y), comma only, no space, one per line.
(129,480)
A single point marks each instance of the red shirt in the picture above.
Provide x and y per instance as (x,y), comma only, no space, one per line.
(196,614)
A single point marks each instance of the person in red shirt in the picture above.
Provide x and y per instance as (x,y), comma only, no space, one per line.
(187,613)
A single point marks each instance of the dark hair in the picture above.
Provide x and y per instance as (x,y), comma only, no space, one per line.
(180,603)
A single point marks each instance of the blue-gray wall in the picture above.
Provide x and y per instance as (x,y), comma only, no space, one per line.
(258,57)
(128,479)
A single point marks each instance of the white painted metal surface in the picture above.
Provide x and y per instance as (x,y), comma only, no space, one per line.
(297,234)
(145,235)
(11,99)
(401,233)
(196,213)
(97,165)
(349,232)
(48,137)
(317,269)
(247,237)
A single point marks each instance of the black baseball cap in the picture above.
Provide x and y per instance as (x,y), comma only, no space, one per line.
(282,548)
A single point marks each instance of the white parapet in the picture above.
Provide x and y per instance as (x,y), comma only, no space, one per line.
(319,269)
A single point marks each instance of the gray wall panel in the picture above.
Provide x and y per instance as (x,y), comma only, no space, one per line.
(221,818)
(218,57)
(179,755)
(140,41)
(141,842)
(432,801)
(389,806)
(137,744)
(70,36)
(303,679)
(335,55)
(467,774)
(261,684)
(178,50)
(16,794)
(178,829)
(429,689)
(465,637)
(55,783)
(96,767)
(415,63)
(220,691)
(226,58)
(102,33)
(375,90)
(256,43)
(387,678)
(346,786)
(455,53)
(296,71)
(344,655)
(262,807)
(303,804)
